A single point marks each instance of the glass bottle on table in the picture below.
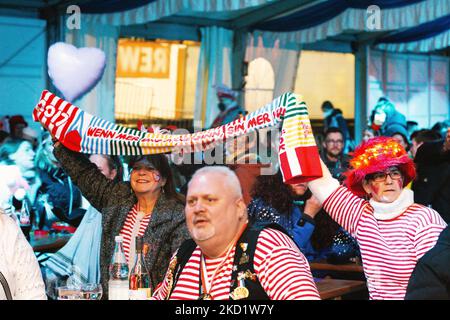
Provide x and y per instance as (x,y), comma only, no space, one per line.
(118,273)
(25,219)
(140,284)
(20,203)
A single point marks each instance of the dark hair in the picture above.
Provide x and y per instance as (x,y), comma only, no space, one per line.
(441,127)
(272,190)
(327,105)
(161,163)
(382,99)
(333,130)
(275,193)
(114,163)
(405,138)
(9,147)
(3,136)
(324,231)
(425,135)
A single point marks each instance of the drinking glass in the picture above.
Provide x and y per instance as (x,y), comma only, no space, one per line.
(69,293)
(91,291)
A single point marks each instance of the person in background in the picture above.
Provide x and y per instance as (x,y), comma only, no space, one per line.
(333,118)
(402,139)
(441,128)
(78,262)
(3,136)
(299,213)
(16,126)
(20,276)
(419,137)
(432,184)
(230,258)
(368,133)
(392,231)
(333,153)
(387,121)
(430,279)
(32,136)
(229,108)
(244,160)
(411,127)
(17,173)
(57,199)
(147,206)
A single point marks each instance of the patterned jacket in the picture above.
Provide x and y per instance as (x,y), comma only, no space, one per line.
(166,229)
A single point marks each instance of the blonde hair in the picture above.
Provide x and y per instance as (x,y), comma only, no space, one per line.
(43,158)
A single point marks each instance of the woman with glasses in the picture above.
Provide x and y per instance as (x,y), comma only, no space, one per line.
(392,231)
(147,206)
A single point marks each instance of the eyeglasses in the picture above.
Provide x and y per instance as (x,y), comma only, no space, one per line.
(395,174)
(334,141)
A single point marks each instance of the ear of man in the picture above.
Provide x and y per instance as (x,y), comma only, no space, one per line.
(242,208)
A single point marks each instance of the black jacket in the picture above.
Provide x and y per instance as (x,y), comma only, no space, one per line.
(432,184)
(430,279)
(63,195)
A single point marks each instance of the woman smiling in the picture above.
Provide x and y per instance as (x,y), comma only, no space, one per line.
(147,206)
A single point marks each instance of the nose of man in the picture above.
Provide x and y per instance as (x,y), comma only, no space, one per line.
(198,207)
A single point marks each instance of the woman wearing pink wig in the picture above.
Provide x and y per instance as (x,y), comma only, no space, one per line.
(392,231)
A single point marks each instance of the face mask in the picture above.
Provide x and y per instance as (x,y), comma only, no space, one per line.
(328,112)
(379,118)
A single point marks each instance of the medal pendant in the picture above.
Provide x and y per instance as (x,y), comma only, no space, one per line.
(244,259)
(206,296)
(249,275)
(240,293)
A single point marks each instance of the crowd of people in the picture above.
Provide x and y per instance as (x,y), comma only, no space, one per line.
(228,231)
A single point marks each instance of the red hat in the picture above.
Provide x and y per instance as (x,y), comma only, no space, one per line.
(375,155)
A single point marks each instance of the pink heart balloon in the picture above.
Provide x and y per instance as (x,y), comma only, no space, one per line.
(74,71)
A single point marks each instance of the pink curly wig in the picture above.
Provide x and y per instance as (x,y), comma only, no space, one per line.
(374,155)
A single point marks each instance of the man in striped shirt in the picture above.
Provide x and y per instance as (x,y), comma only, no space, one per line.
(217,220)
(392,231)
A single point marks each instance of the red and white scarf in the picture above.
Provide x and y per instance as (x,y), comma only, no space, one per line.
(83,132)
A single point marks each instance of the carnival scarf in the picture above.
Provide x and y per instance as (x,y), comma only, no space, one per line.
(83,132)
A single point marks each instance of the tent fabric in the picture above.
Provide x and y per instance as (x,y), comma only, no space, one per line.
(426,37)
(355,20)
(110,6)
(437,42)
(324,11)
(214,68)
(158,9)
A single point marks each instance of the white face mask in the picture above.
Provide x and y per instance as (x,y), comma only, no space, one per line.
(328,112)
(379,118)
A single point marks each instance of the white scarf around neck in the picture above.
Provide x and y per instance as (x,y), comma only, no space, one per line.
(387,211)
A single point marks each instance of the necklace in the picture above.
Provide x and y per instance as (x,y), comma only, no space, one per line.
(206,284)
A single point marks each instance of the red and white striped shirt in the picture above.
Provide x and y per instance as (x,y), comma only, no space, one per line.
(389,248)
(127,229)
(281,268)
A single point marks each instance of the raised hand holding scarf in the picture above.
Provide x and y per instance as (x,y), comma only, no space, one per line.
(83,132)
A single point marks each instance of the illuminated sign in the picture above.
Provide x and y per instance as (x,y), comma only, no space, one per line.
(138,59)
